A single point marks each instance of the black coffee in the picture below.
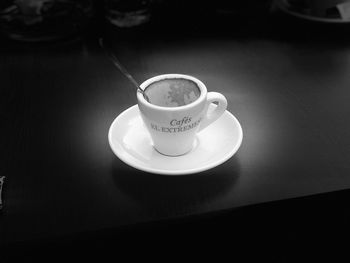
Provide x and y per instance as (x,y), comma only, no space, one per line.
(172,92)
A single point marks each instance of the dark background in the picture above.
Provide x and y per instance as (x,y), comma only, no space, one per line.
(298,209)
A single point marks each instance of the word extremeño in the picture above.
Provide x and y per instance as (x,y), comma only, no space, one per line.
(177,125)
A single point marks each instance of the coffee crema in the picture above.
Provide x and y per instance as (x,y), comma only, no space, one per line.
(172,92)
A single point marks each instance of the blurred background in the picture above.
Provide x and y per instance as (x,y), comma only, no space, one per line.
(52,20)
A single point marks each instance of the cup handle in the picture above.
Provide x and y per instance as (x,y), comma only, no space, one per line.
(212,115)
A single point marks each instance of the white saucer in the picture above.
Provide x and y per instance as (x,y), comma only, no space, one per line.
(130,141)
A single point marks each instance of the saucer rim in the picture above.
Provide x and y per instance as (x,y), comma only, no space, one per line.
(175,172)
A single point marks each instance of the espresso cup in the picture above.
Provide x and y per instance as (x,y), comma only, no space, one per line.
(173,129)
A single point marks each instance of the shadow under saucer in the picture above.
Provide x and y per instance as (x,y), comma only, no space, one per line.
(165,196)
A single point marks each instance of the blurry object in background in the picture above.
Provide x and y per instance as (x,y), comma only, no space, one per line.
(43,20)
(128,13)
(240,15)
(329,11)
(240,8)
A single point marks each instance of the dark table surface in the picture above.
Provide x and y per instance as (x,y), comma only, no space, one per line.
(290,90)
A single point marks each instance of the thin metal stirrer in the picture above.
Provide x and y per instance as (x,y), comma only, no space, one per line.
(122,69)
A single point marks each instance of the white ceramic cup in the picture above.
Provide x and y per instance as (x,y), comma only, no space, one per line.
(173,129)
